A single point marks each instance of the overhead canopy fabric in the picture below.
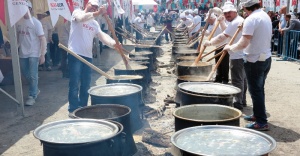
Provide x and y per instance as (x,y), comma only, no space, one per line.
(144,2)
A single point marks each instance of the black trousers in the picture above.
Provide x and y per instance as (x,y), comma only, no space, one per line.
(223,69)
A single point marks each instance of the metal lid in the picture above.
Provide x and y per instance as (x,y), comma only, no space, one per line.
(208,88)
(115,89)
(76,131)
(223,140)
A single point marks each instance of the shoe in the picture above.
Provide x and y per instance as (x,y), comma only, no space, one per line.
(258,126)
(48,68)
(30,101)
(238,106)
(250,118)
(71,115)
(41,68)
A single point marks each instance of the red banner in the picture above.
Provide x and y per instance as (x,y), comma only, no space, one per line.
(294,2)
(277,2)
(2,12)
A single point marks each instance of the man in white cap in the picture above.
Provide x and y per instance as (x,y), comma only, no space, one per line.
(140,23)
(188,14)
(83,30)
(238,76)
(32,52)
(256,44)
(222,75)
(187,22)
(197,21)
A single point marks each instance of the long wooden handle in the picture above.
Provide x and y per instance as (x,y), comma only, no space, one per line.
(110,27)
(141,29)
(224,52)
(222,46)
(209,38)
(129,34)
(194,41)
(85,61)
(160,33)
(126,37)
(144,35)
(190,38)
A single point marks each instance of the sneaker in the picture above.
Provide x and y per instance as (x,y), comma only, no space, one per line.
(30,101)
(41,68)
(250,118)
(71,115)
(258,126)
(48,68)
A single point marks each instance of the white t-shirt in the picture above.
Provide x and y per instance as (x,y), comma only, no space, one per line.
(28,32)
(197,19)
(82,35)
(217,32)
(46,23)
(258,24)
(230,30)
(138,21)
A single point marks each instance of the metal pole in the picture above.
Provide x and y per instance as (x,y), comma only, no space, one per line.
(15,61)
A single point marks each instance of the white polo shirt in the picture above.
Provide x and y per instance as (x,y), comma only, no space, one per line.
(230,30)
(28,32)
(197,19)
(258,24)
(218,31)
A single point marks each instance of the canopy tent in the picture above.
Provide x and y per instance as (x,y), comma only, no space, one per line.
(144,2)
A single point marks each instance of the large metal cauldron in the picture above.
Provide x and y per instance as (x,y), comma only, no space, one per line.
(221,140)
(206,114)
(206,92)
(201,68)
(185,58)
(136,69)
(113,112)
(148,54)
(185,53)
(120,93)
(86,137)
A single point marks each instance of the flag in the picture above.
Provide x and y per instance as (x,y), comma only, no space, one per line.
(58,7)
(2,12)
(294,2)
(118,7)
(277,2)
(16,10)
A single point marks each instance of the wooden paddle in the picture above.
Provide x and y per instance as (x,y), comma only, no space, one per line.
(204,47)
(132,40)
(191,38)
(117,41)
(224,52)
(160,33)
(222,46)
(144,35)
(85,61)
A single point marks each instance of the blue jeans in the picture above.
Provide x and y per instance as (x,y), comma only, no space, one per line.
(256,75)
(47,56)
(29,68)
(80,74)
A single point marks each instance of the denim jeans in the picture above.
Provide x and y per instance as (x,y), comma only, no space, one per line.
(29,68)
(47,56)
(80,74)
(256,75)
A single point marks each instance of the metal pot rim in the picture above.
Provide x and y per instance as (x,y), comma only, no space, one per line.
(99,105)
(115,84)
(206,105)
(267,137)
(107,122)
(205,95)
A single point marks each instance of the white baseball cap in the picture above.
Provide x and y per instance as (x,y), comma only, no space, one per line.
(94,2)
(29,4)
(139,14)
(212,16)
(249,3)
(228,6)
(182,15)
(196,11)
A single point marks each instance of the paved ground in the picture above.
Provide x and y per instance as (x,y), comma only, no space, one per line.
(282,100)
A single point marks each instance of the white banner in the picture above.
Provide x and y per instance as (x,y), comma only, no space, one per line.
(78,4)
(16,10)
(59,7)
(118,7)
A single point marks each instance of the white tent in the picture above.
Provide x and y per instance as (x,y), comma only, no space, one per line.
(144,2)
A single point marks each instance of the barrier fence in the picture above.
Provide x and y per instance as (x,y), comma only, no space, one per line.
(292,44)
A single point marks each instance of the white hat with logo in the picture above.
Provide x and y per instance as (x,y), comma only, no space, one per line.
(94,2)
